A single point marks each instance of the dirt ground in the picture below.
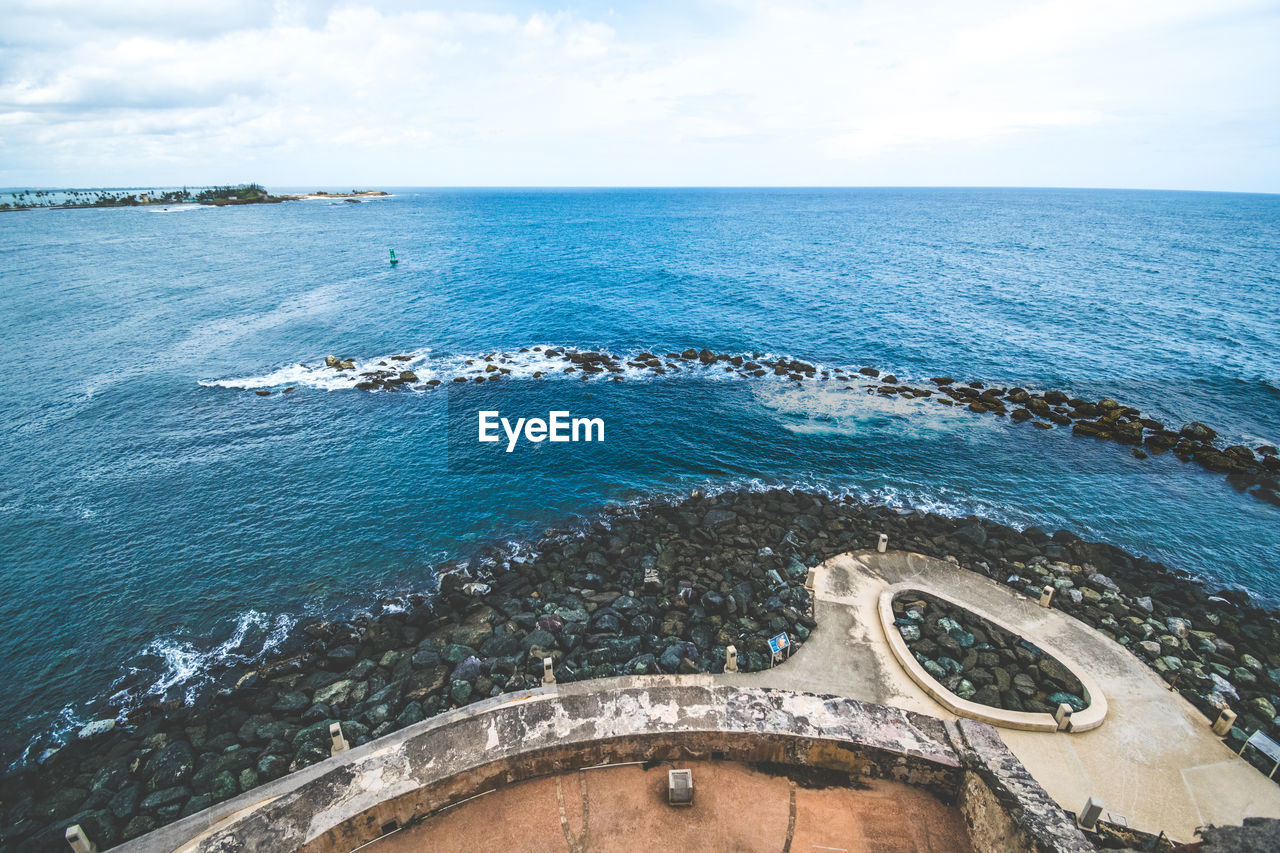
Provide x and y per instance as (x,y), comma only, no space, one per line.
(735,808)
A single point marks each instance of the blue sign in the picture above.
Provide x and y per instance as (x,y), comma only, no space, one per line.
(778,643)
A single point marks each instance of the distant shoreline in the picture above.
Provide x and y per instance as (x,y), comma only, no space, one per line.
(211,197)
(353,194)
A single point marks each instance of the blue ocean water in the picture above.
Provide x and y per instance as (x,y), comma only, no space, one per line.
(157,516)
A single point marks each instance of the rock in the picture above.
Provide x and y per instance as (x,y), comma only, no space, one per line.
(425,682)
(342,654)
(1197,431)
(291,702)
(1075,702)
(124,802)
(460,692)
(1053,670)
(171,767)
(224,786)
(716,517)
(271,766)
(971,534)
(164,797)
(196,804)
(97,727)
(468,670)
(335,694)
(1100,581)
(1151,648)
(312,744)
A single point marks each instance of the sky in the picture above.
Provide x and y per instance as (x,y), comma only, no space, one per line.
(1164,94)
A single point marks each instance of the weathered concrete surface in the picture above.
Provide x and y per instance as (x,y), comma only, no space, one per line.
(623,809)
(440,761)
(1154,760)
(1005,807)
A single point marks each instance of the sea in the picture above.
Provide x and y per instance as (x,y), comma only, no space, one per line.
(161,520)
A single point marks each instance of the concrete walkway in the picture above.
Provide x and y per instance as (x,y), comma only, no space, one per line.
(1153,763)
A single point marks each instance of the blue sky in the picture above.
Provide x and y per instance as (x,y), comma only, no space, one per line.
(1172,94)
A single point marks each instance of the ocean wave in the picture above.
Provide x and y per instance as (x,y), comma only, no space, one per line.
(173,662)
(904,497)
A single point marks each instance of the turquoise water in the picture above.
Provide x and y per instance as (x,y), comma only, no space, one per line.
(158,517)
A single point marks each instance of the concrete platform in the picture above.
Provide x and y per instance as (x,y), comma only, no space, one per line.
(1153,763)
(624,808)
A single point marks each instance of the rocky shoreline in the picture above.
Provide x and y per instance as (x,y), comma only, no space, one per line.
(645,588)
(1252,470)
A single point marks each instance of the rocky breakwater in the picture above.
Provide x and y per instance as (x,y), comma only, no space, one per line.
(1247,469)
(982,662)
(1255,470)
(659,586)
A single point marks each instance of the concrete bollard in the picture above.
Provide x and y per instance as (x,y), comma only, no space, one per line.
(548,671)
(811,581)
(1089,815)
(339,741)
(1063,716)
(80,842)
(731,659)
(882,543)
(1226,719)
(1046,596)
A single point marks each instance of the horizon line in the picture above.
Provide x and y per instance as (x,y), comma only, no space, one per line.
(565,187)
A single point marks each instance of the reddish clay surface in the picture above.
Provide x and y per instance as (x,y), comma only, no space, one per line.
(735,808)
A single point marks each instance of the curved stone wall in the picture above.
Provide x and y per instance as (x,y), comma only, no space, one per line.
(360,795)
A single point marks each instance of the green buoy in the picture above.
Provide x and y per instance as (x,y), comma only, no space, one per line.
(394,260)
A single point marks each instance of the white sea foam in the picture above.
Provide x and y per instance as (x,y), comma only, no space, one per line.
(183,664)
(848,408)
(320,376)
(523,363)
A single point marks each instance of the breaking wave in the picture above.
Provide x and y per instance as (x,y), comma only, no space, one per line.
(533,362)
(179,667)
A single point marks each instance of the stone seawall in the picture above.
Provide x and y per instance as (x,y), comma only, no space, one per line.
(642,589)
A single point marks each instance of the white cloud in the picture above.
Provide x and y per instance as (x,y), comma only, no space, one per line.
(732,93)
